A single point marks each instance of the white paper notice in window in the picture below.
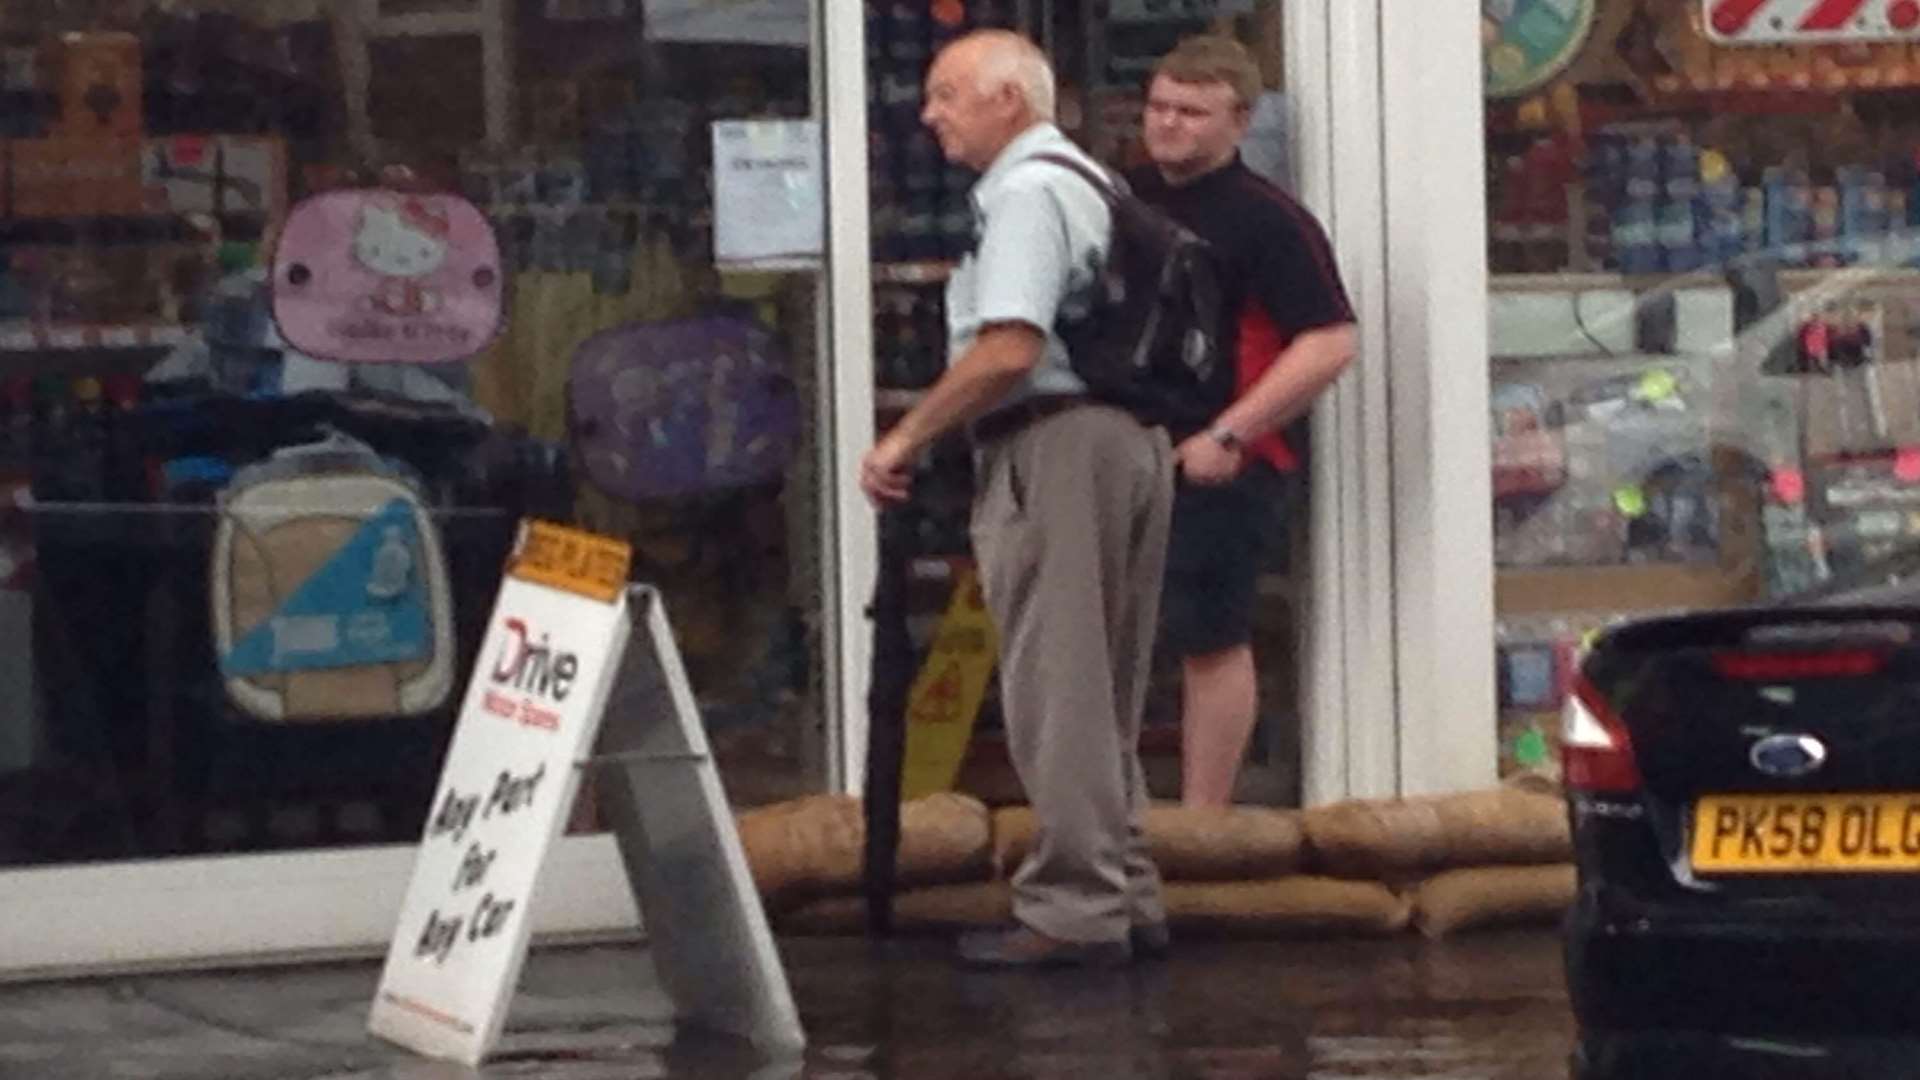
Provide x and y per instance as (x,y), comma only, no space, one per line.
(767,204)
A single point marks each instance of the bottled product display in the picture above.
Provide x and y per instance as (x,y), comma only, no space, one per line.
(76,438)
(1644,197)
(919,201)
(1664,149)
(922,222)
(909,336)
(1705,387)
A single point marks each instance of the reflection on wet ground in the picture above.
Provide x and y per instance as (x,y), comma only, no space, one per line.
(1484,1007)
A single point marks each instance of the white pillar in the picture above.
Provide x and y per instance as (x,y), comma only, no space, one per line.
(1348,731)
(1434,142)
(850,547)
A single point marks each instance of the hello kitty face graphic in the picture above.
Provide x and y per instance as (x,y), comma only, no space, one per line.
(402,239)
(374,275)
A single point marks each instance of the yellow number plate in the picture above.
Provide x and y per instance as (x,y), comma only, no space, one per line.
(1801,834)
(571,560)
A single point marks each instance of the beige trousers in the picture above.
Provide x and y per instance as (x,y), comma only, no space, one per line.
(1070,521)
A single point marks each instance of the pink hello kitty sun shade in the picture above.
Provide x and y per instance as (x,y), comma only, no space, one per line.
(371,275)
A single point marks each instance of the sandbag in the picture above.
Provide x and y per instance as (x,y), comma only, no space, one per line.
(929,909)
(814,846)
(802,847)
(1484,896)
(1405,839)
(1285,907)
(1535,783)
(1240,843)
(1279,907)
(944,838)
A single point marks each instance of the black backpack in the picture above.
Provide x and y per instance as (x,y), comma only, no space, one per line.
(1152,341)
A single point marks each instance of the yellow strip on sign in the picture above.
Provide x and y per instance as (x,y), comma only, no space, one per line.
(1807,834)
(947,693)
(571,560)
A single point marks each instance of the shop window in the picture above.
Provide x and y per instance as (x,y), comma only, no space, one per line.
(180,456)
(1706,388)
(452,113)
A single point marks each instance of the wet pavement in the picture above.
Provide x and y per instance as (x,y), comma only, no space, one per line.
(1482,1006)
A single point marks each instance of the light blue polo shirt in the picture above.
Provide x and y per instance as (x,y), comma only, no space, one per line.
(1040,238)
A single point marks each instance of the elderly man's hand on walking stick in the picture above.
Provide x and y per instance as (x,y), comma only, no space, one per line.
(886,472)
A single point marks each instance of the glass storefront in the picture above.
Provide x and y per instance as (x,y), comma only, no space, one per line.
(1705,385)
(251,523)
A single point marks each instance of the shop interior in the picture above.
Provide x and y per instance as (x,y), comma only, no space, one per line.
(1704,305)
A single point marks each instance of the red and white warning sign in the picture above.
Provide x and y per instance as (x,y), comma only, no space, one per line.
(1811,22)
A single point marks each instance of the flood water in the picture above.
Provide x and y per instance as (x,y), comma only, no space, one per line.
(1482,1006)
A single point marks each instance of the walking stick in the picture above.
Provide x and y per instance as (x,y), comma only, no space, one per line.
(893,672)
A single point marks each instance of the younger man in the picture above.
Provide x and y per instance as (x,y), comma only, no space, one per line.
(1291,334)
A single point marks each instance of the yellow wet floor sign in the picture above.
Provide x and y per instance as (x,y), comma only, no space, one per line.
(947,692)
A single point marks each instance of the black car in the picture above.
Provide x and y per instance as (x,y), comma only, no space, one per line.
(1744,789)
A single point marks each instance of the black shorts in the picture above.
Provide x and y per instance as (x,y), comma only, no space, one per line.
(1222,538)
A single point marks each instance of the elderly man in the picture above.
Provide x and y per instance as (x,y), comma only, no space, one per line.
(1070,515)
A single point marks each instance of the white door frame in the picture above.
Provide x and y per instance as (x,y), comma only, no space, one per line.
(1434,146)
(1399,692)
(1347,705)
(283,907)
(1398,697)
(850,534)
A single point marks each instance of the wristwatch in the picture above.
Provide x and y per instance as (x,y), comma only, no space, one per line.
(1226,438)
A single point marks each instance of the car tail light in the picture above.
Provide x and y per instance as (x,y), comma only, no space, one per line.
(1788,666)
(1595,751)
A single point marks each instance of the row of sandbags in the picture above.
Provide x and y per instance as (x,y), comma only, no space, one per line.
(1295,906)
(1440,864)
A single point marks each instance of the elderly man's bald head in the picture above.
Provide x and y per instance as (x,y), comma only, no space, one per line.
(983,90)
(1003,58)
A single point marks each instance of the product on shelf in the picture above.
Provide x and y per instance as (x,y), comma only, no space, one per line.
(75,438)
(1535,662)
(920,207)
(1529,457)
(1603,462)
(909,338)
(95,79)
(75,176)
(1688,152)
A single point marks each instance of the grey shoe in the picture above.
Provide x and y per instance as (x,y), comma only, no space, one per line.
(1020,947)
(1150,941)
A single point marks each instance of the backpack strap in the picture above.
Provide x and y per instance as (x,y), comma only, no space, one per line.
(1104,184)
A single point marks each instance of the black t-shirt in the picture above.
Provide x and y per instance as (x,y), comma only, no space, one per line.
(1277,268)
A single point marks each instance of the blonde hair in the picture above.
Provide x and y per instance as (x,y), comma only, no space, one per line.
(1212,58)
(1008,59)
